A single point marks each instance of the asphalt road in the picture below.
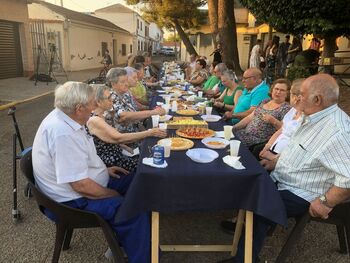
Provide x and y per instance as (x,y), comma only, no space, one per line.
(31,239)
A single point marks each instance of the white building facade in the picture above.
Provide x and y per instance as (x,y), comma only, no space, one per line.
(146,35)
(79,40)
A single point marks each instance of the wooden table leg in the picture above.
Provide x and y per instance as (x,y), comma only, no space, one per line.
(248,246)
(238,231)
(155,237)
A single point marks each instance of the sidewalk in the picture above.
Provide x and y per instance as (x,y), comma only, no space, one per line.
(18,90)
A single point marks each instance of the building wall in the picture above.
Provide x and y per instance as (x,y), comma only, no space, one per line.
(17,11)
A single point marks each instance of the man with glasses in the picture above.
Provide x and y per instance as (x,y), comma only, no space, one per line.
(254,93)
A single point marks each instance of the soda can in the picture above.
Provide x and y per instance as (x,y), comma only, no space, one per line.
(187,86)
(158,154)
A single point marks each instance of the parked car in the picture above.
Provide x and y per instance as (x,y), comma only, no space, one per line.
(169,52)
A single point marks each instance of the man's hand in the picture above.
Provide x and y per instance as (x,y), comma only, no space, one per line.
(269,165)
(265,149)
(228,115)
(115,170)
(317,209)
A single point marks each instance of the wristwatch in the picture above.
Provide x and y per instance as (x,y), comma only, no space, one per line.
(324,201)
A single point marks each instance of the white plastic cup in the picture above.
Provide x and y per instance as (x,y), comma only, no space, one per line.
(227,132)
(155,121)
(208,110)
(167,100)
(163,126)
(167,147)
(234,147)
(166,108)
(200,94)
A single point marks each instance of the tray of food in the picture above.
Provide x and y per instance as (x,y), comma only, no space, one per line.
(179,144)
(195,133)
(187,112)
(185,123)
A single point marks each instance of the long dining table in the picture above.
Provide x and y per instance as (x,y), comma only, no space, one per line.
(185,185)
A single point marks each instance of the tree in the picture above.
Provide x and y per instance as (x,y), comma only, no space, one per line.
(213,19)
(181,14)
(228,34)
(327,19)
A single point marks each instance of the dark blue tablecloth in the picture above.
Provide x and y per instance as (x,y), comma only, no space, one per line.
(189,186)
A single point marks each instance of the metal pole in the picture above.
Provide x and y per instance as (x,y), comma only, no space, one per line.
(15,212)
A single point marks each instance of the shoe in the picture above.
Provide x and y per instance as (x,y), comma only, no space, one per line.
(228,226)
(109,255)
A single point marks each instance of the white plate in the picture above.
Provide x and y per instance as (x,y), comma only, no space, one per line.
(213,139)
(165,118)
(211,118)
(202,155)
(161,91)
(220,134)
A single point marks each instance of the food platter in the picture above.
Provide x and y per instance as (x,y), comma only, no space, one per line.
(195,133)
(215,143)
(187,112)
(179,144)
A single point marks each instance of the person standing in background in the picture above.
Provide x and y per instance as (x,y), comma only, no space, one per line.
(282,54)
(254,61)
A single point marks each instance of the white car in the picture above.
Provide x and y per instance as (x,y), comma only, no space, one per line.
(169,52)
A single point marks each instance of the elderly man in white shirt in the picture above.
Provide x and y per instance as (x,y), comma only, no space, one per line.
(313,171)
(67,168)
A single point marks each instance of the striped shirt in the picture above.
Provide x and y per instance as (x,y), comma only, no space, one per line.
(318,155)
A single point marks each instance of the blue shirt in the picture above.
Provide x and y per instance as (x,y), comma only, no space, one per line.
(251,99)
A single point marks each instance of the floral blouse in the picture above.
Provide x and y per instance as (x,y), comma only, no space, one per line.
(259,131)
(123,103)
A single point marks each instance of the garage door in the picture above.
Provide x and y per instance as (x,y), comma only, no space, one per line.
(10,51)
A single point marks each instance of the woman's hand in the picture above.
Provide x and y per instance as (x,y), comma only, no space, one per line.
(269,118)
(218,104)
(158,111)
(156,132)
(113,171)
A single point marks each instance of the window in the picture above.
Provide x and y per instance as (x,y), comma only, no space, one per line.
(141,25)
(131,49)
(123,49)
(137,24)
(141,45)
(138,46)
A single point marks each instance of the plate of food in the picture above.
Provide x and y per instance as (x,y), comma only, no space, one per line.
(202,155)
(195,133)
(179,144)
(211,118)
(165,118)
(187,112)
(215,143)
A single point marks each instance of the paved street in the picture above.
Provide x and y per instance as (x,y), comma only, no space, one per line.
(31,239)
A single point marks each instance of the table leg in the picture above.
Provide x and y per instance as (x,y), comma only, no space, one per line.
(248,246)
(155,237)
(238,231)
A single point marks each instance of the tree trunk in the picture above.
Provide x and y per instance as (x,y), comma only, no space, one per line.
(184,38)
(228,32)
(328,52)
(213,19)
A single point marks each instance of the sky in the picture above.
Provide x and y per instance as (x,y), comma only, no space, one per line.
(86,5)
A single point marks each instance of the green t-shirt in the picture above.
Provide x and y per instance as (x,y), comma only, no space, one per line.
(211,82)
(140,93)
(229,100)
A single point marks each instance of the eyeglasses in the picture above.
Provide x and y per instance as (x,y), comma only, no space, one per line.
(245,78)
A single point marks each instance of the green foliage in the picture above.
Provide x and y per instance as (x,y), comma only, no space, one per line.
(164,12)
(324,18)
(297,72)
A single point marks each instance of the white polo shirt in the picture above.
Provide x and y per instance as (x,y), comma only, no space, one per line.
(64,153)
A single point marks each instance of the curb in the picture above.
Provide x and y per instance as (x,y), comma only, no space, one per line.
(9,105)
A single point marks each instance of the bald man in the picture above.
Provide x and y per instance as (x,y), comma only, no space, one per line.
(313,171)
(254,93)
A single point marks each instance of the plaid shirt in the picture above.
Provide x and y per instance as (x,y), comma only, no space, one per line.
(318,155)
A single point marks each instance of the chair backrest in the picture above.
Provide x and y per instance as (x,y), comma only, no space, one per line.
(61,211)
